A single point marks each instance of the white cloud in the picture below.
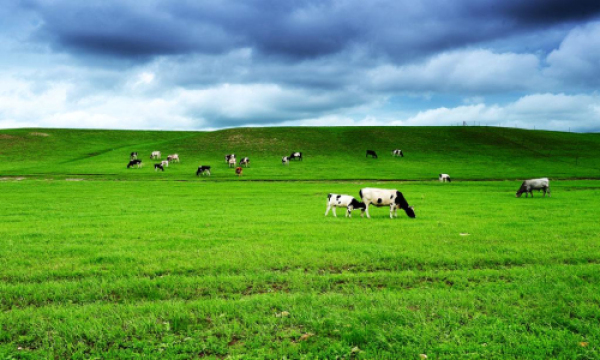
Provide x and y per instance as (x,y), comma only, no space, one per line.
(577,60)
(461,71)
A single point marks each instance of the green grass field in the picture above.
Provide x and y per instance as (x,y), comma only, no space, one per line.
(136,264)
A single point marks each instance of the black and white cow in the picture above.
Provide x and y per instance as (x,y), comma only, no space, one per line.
(232,161)
(534,184)
(372,153)
(203,169)
(444,178)
(295,156)
(133,155)
(384,197)
(155,155)
(173,158)
(398,152)
(158,167)
(136,162)
(227,157)
(347,201)
(165,163)
(285,160)
(245,161)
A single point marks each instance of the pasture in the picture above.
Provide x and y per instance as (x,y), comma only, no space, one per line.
(138,264)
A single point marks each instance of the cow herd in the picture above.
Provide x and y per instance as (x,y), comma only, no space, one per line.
(230,160)
(368,196)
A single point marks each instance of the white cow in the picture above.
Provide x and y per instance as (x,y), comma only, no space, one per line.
(397,152)
(534,184)
(444,178)
(232,161)
(285,160)
(173,158)
(384,197)
(347,201)
(165,163)
(155,155)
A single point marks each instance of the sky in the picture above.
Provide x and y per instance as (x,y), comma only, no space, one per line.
(212,64)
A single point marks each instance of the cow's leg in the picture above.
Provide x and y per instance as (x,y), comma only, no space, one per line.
(349,211)
(333,210)
(367,210)
(548,188)
(328,208)
(392,211)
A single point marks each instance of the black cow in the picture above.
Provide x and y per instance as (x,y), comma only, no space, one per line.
(135,162)
(372,153)
(203,169)
(295,156)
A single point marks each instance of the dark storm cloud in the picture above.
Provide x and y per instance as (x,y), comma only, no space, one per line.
(400,30)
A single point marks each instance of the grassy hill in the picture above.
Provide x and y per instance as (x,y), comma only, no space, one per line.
(330,153)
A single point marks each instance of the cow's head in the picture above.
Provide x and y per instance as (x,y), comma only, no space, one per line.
(521,190)
(410,211)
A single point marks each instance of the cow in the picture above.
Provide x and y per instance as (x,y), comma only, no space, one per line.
(232,161)
(165,163)
(155,155)
(173,158)
(158,167)
(245,161)
(444,178)
(534,184)
(347,201)
(285,160)
(398,152)
(384,197)
(135,162)
(372,153)
(133,155)
(227,157)
(203,169)
(238,171)
(295,156)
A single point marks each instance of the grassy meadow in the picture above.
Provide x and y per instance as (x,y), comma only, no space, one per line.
(131,264)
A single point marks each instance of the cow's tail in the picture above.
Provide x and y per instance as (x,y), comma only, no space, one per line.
(360,194)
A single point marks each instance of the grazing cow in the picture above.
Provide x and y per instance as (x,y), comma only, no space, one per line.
(245,161)
(227,157)
(133,155)
(398,152)
(203,169)
(295,156)
(372,153)
(285,160)
(347,201)
(155,155)
(165,163)
(384,197)
(238,171)
(135,162)
(534,184)
(158,167)
(444,178)
(173,158)
(232,161)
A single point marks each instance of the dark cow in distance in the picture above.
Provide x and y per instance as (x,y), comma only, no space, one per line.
(159,167)
(133,155)
(136,162)
(295,156)
(372,153)
(203,169)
